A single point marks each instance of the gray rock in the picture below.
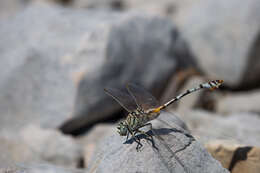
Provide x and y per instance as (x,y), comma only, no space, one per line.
(14,150)
(224,43)
(159,8)
(242,128)
(52,146)
(91,140)
(239,102)
(190,156)
(11,7)
(36,145)
(143,50)
(44,52)
(105,4)
(163,7)
(38,168)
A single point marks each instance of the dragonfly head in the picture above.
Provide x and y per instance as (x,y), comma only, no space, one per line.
(122,129)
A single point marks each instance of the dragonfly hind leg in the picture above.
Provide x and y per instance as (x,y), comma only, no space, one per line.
(138,141)
(145,133)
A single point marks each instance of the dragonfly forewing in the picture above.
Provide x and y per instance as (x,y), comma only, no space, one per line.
(123,98)
(143,98)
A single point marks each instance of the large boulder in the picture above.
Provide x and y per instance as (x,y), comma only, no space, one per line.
(173,151)
(225,42)
(144,50)
(37,145)
(44,51)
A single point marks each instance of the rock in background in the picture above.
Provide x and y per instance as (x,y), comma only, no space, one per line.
(239,102)
(11,7)
(236,158)
(57,59)
(42,61)
(37,145)
(224,42)
(143,50)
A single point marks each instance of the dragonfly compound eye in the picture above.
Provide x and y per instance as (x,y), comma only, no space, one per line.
(122,130)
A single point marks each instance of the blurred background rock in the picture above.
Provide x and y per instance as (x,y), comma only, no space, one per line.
(57,56)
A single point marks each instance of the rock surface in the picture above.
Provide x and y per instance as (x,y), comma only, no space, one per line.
(10,8)
(236,158)
(52,146)
(38,168)
(14,150)
(239,102)
(43,60)
(37,145)
(92,139)
(242,128)
(101,4)
(143,50)
(190,156)
(224,42)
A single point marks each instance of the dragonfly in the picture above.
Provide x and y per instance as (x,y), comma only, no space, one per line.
(142,107)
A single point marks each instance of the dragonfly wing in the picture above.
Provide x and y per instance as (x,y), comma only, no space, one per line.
(142,97)
(123,98)
(170,138)
(165,152)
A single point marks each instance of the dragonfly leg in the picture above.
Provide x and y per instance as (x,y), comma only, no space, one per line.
(145,133)
(136,139)
(127,136)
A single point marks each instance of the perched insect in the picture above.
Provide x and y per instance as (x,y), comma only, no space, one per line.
(142,107)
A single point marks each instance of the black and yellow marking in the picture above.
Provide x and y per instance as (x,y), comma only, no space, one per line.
(209,85)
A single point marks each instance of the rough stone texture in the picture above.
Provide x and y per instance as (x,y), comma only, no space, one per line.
(44,52)
(52,146)
(38,168)
(114,156)
(239,102)
(242,128)
(143,50)
(225,42)
(91,140)
(236,158)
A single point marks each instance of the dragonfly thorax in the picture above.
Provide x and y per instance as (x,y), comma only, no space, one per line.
(135,120)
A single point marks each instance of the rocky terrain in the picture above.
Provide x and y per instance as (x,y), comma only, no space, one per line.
(57,56)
